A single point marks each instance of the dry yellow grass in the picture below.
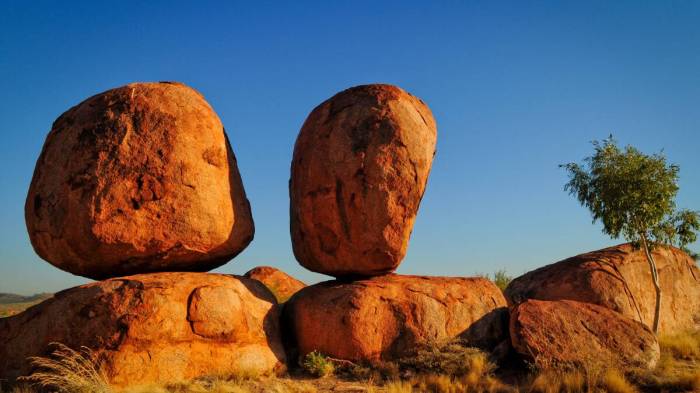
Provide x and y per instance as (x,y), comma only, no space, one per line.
(68,371)
(683,345)
(447,369)
(614,382)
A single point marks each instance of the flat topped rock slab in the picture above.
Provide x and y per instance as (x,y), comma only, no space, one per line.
(138,179)
(359,171)
(572,334)
(153,328)
(619,278)
(387,317)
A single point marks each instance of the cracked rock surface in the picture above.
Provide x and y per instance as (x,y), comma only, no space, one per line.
(359,171)
(569,333)
(153,328)
(387,317)
(619,278)
(138,179)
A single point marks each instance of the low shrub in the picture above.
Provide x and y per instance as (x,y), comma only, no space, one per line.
(318,365)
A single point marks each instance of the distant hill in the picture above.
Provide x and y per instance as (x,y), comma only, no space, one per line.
(12,298)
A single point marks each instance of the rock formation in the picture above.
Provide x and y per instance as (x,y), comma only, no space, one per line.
(153,328)
(360,166)
(138,179)
(281,284)
(386,317)
(619,278)
(574,334)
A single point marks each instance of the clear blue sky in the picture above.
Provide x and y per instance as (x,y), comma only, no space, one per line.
(516,87)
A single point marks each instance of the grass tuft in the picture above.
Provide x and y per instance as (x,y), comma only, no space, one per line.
(68,371)
(682,345)
(614,382)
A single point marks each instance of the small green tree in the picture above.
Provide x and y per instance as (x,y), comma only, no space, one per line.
(633,195)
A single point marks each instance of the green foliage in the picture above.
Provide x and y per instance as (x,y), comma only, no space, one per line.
(317,364)
(502,279)
(632,194)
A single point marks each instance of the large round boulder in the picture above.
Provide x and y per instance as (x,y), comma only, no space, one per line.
(360,166)
(565,333)
(388,317)
(138,179)
(153,328)
(281,284)
(619,278)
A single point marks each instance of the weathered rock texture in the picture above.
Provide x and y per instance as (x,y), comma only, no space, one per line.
(568,333)
(619,278)
(359,171)
(281,284)
(387,317)
(153,328)
(138,179)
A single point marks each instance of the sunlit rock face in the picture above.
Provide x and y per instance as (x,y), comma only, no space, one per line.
(138,179)
(359,171)
(153,328)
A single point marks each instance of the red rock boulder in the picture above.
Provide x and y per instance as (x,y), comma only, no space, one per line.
(387,317)
(138,179)
(566,333)
(619,278)
(153,328)
(360,166)
(281,284)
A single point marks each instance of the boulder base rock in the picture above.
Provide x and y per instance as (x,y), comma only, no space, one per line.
(619,278)
(360,166)
(281,284)
(387,317)
(153,328)
(574,334)
(138,179)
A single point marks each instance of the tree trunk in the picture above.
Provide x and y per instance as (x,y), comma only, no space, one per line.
(655,278)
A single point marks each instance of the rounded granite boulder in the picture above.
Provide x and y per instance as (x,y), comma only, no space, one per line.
(138,179)
(359,170)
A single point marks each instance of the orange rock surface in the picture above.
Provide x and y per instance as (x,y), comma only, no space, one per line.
(360,166)
(387,317)
(138,179)
(281,284)
(153,328)
(569,333)
(619,278)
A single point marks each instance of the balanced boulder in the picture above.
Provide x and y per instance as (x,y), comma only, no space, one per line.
(565,333)
(387,317)
(619,278)
(138,179)
(359,171)
(281,284)
(153,328)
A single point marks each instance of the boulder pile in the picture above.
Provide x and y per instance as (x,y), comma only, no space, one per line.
(358,174)
(618,278)
(133,185)
(597,308)
(139,187)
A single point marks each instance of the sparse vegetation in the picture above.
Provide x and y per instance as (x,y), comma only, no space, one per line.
(318,365)
(501,278)
(452,358)
(450,367)
(633,195)
(68,371)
